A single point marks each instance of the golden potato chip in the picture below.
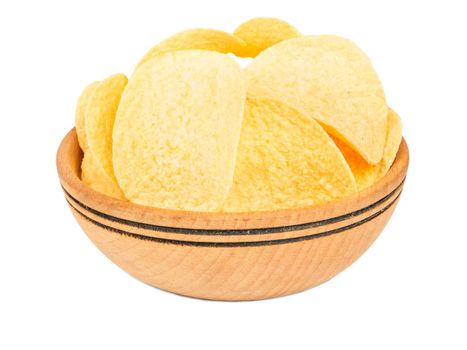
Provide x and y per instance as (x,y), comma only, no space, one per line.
(99,120)
(330,79)
(177,130)
(93,175)
(80,114)
(197,39)
(393,140)
(366,174)
(261,33)
(285,160)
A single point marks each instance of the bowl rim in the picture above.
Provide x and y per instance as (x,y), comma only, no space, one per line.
(235,222)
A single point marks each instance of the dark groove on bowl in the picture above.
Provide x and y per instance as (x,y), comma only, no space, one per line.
(227,232)
(238,244)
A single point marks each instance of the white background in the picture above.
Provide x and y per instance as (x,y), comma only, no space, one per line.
(59,292)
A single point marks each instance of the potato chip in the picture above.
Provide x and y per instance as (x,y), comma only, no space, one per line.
(93,175)
(99,120)
(330,79)
(365,173)
(393,140)
(285,160)
(261,33)
(80,114)
(197,39)
(177,130)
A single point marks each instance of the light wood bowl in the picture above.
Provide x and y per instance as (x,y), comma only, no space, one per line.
(231,256)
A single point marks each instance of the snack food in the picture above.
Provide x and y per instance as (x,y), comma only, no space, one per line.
(306,122)
(93,175)
(177,130)
(197,39)
(393,140)
(261,33)
(80,114)
(99,120)
(366,174)
(331,80)
(285,159)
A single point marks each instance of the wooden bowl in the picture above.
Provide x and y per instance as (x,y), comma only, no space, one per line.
(231,256)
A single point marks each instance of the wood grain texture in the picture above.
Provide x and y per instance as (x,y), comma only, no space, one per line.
(231,256)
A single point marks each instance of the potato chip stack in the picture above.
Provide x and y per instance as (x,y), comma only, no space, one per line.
(305,122)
